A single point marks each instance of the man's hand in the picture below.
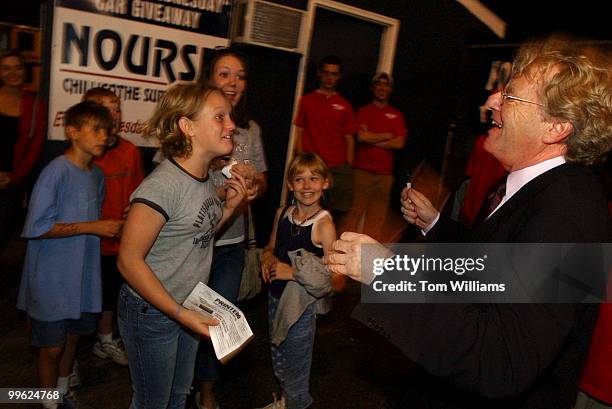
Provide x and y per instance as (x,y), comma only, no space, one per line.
(417,209)
(346,256)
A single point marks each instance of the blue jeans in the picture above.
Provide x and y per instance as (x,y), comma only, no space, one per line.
(225,277)
(292,359)
(160,352)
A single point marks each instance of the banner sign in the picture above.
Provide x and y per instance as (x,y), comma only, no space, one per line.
(134,48)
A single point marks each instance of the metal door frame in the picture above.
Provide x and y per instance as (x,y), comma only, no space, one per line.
(386,54)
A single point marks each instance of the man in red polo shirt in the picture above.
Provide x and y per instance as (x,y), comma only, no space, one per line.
(325,126)
(381,130)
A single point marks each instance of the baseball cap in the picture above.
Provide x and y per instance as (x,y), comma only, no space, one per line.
(382,76)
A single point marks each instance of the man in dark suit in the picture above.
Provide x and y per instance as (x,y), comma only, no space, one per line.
(553,119)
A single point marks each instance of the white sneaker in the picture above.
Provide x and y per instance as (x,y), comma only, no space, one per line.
(113,350)
(74,380)
(277,404)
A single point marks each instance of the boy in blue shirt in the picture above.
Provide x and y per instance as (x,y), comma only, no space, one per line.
(60,286)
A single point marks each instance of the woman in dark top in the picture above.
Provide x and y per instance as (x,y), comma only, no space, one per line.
(22,120)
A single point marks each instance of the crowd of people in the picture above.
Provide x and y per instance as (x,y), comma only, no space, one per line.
(110,248)
(358,150)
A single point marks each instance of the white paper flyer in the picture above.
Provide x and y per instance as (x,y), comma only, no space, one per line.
(233,330)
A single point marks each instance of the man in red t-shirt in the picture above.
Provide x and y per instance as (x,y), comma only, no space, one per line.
(381,130)
(325,126)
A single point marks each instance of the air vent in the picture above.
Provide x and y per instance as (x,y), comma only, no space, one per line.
(267,24)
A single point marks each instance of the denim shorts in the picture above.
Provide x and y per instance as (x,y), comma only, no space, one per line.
(53,333)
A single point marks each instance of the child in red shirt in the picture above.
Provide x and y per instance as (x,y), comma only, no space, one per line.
(122,168)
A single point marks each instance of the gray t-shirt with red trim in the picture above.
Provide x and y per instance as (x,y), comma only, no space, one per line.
(182,253)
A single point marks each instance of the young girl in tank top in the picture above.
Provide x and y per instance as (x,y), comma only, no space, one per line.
(304,225)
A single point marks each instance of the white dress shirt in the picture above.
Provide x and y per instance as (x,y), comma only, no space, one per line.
(515,181)
(519,178)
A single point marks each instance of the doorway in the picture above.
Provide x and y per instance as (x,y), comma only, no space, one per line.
(355,41)
(364,41)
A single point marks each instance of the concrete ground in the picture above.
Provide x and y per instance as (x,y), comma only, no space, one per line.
(352,367)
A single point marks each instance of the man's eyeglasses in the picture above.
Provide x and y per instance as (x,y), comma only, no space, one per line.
(506,96)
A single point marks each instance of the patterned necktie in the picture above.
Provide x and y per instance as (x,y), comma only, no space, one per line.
(493,199)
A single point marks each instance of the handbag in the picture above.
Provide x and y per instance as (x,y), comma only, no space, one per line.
(250,284)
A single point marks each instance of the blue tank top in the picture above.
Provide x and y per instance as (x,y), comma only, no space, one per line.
(292,236)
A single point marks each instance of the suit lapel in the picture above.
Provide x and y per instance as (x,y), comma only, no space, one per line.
(501,226)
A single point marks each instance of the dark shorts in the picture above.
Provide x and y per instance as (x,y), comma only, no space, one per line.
(112,280)
(340,195)
(53,333)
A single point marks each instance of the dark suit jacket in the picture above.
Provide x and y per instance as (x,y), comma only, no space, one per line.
(504,355)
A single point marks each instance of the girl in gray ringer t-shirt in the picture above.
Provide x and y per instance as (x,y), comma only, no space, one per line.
(167,242)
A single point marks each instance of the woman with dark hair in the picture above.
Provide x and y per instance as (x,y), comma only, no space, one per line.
(228,71)
(22,120)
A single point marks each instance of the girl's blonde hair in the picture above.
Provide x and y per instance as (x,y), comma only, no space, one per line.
(180,100)
(310,161)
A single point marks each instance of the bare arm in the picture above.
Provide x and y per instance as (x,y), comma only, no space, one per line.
(268,260)
(261,181)
(235,194)
(365,136)
(102,228)
(297,147)
(141,230)
(324,233)
(396,142)
(350,148)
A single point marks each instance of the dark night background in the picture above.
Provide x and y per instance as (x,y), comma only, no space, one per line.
(442,62)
